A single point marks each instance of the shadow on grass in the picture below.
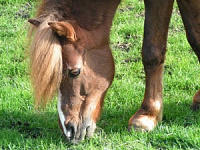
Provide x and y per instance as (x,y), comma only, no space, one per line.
(180,114)
(116,120)
(17,127)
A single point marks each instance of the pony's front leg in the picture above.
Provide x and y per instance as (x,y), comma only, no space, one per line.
(157,17)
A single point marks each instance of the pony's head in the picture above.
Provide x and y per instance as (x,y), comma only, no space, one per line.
(61,60)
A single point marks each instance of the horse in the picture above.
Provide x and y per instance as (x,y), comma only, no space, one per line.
(70,55)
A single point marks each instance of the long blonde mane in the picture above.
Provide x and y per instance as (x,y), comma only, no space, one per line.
(46,63)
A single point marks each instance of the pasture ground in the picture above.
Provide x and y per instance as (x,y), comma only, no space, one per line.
(22,127)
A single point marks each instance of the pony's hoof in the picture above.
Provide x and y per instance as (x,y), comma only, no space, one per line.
(141,123)
(195,106)
(196,101)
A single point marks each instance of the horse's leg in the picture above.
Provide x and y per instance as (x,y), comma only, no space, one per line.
(157,17)
(190,12)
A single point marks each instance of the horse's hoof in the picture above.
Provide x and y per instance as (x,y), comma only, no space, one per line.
(142,122)
(196,101)
(195,106)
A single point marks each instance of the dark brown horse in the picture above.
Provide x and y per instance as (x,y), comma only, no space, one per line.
(70,54)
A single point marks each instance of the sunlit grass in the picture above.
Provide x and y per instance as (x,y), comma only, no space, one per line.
(22,127)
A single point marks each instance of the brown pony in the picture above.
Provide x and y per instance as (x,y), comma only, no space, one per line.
(70,54)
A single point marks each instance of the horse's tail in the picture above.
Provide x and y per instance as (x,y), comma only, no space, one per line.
(45,63)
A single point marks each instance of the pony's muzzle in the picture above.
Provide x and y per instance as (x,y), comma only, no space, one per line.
(76,132)
(70,131)
(74,72)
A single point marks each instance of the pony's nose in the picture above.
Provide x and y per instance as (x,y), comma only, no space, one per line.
(70,131)
(74,72)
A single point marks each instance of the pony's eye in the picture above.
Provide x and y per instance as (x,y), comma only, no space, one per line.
(74,72)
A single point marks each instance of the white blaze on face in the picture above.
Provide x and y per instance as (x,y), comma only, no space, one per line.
(61,114)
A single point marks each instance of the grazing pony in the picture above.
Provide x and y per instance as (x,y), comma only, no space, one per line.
(70,54)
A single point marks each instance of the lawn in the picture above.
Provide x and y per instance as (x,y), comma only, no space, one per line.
(22,127)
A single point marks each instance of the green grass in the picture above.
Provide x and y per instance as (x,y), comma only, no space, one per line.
(22,127)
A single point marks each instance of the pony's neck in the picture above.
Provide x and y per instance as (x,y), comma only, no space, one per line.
(93,17)
(89,14)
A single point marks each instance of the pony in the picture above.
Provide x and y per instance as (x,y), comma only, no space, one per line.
(70,55)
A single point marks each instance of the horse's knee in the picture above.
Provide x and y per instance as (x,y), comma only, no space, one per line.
(153,56)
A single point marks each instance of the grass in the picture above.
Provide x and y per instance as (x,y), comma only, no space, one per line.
(22,127)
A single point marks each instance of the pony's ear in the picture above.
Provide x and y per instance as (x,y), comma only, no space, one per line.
(63,29)
(35,22)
